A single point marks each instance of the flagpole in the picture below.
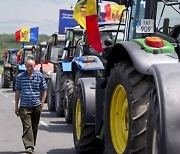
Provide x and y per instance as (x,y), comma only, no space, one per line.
(23,45)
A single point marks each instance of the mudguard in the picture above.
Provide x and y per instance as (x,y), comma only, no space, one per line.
(142,60)
(85,63)
(88,93)
(66,66)
(96,64)
(53,80)
(167,79)
(47,69)
(21,67)
(37,67)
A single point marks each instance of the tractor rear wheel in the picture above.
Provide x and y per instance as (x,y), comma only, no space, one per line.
(125,112)
(50,97)
(69,91)
(6,78)
(153,125)
(61,81)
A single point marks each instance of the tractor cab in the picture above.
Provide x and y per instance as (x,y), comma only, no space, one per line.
(41,52)
(10,56)
(72,37)
(52,54)
(9,66)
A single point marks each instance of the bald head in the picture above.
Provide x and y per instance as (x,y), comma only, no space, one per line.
(30,64)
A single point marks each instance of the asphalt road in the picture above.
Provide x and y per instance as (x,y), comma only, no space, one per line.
(54,135)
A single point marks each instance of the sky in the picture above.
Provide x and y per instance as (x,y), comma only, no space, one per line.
(18,14)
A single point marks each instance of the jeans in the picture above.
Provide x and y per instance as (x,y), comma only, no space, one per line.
(30,120)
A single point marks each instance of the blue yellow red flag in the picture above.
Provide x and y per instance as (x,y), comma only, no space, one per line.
(27,35)
(92,27)
(79,13)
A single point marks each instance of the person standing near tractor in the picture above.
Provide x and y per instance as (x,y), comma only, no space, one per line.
(31,90)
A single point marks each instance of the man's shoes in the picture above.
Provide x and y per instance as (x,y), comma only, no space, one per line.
(30,150)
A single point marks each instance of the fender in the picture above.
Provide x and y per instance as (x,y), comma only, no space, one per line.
(37,67)
(167,80)
(142,60)
(53,80)
(47,69)
(88,93)
(88,63)
(21,67)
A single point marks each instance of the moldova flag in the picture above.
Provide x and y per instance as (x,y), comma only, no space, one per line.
(92,28)
(79,13)
(113,12)
(27,35)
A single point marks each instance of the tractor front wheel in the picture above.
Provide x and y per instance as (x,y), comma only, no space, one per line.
(6,78)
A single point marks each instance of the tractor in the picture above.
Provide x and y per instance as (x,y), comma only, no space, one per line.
(87,62)
(50,65)
(64,71)
(133,107)
(9,67)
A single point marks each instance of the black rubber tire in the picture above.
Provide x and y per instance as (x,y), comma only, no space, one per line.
(50,97)
(153,125)
(6,78)
(14,81)
(61,81)
(85,144)
(69,91)
(137,87)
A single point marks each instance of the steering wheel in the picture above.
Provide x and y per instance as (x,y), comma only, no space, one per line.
(175,32)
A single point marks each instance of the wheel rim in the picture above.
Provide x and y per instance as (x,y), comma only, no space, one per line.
(119,119)
(78,119)
(154,144)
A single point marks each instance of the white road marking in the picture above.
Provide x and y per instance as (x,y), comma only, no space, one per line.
(6,95)
(44,124)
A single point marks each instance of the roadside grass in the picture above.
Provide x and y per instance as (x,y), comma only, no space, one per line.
(1,70)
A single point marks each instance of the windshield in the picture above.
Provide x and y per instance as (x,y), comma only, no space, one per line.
(110,36)
(12,58)
(28,54)
(54,54)
(43,53)
(168,13)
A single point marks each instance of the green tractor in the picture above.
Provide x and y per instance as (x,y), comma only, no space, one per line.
(9,66)
(133,108)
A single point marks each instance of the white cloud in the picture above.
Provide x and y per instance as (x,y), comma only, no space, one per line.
(17,14)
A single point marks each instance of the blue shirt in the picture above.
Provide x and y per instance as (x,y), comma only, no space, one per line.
(30,89)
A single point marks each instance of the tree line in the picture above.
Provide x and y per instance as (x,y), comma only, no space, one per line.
(7,41)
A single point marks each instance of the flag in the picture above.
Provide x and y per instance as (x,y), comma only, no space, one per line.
(27,35)
(79,13)
(113,12)
(92,28)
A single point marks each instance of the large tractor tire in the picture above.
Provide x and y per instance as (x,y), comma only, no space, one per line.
(50,97)
(125,110)
(153,125)
(6,78)
(14,76)
(83,131)
(62,79)
(69,93)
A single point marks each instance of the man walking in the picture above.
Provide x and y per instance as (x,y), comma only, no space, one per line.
(31,90)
